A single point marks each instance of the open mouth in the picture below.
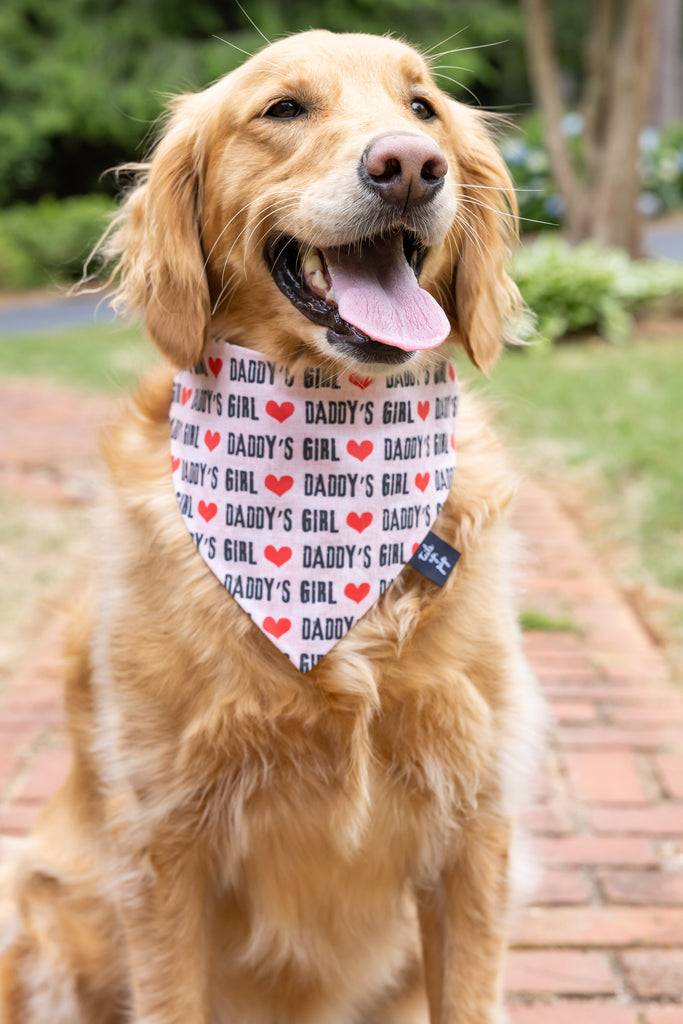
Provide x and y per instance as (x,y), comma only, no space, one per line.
(367,295)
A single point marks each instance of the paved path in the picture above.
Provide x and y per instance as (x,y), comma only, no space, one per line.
(603,938)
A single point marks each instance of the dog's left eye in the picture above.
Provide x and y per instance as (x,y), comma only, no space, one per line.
(285,110)
(423,109)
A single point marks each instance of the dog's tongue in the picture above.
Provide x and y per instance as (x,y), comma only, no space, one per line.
(377,291)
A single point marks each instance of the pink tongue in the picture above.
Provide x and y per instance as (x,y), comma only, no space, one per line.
(377,292)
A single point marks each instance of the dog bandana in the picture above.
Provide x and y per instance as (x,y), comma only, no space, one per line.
(307,493)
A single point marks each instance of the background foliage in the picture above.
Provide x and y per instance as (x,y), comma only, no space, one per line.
(82,81)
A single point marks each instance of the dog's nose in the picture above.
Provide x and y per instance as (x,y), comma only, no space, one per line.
(404,169)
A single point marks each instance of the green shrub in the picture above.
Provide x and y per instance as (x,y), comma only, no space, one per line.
(587,288)
(48,242)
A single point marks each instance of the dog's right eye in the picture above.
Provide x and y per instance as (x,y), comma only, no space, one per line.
(285,110)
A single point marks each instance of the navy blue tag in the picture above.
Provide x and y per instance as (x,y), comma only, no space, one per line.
(435,559)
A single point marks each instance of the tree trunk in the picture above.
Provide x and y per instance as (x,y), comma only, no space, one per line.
(667,81)
(600,197)
(616,187)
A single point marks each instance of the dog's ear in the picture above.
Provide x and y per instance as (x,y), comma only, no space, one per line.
(155,242)
(475,289)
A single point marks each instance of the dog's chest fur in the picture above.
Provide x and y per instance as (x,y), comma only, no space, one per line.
(314,799)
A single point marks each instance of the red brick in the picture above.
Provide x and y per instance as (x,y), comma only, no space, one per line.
(19,818)
(632,694)
(46,774)
(664,819)
(570,1012)
(606,737)
(654,973)
(600,927)
(662,712)
(9,763)
(670,768)
(665,1015)
(558,971)
(559,887)
(573,711)
(610,850)
(604,776)
(646,888)
(548,820)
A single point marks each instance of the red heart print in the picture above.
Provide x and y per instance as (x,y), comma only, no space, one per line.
(421,481)
(207,512)
(355,593)
(415,547)
(212,440)
(278,556)
(423,410)
(453,441)
(175,462)
(276,628)
(186,394)
(359,523)
(279,485)
(360,451)
(215,365)
(280,412)
(451,372)
(361,382)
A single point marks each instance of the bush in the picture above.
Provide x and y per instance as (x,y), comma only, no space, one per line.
(587,288)
(48,242)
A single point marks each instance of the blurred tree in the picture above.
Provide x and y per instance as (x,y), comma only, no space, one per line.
(667,99)
(599,182)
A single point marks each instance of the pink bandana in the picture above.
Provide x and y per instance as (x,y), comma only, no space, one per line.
(307,493)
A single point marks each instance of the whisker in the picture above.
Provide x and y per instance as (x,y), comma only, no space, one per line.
(473,201)
(466,49)
(252,22)
(446,40)
(273,207)
(234,45)
(460,85)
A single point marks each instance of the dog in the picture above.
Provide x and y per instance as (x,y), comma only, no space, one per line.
(245,838)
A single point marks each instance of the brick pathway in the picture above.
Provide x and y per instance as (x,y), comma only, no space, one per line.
(603,938)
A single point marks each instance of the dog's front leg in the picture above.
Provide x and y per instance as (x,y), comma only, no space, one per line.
(463,925)
(161,901)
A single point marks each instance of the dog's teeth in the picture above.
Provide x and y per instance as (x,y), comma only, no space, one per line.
(313,264)
(331,297)
(318,280)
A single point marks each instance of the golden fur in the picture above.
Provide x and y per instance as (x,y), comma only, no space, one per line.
(239,843)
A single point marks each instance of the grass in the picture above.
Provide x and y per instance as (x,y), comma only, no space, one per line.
(96,357)
(540,621)
(603,424)
(612,417)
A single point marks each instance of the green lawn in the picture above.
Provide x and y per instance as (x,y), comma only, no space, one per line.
(94,357)
(610,419)
(603,424)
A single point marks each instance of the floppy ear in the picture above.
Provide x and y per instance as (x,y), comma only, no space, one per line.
(155,242)
(481,297)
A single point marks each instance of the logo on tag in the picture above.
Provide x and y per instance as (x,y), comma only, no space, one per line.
(435,559)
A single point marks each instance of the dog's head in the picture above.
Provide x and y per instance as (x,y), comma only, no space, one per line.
(293,206)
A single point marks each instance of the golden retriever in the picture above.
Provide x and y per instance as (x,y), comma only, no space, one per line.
(240,842)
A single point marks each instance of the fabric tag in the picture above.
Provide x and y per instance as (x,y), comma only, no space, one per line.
(306,493)
(435,559)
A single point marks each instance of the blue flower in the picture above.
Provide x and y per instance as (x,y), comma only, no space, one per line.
(572,124)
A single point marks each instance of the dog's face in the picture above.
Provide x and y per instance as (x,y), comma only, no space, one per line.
(293,206)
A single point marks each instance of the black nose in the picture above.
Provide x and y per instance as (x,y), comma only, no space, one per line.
(405,170)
